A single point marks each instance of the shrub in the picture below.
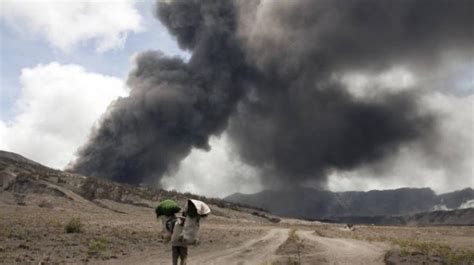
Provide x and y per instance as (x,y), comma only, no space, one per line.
(293,236)
(448,254)
(45,204)
(98,245)
(73,226)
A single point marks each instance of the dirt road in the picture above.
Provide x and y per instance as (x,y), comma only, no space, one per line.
(255,251)
(275,247)
(345,250)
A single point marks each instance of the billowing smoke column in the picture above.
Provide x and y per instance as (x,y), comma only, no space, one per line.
(300,122)
(268,73)
(173,106)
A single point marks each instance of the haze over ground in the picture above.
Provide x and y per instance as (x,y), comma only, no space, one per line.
(347,102)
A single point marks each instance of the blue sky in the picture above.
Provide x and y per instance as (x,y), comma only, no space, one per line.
(18,51)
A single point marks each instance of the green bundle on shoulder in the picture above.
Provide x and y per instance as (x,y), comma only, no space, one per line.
(167,208)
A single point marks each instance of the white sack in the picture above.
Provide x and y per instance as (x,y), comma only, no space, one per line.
(187,234)
(201,207)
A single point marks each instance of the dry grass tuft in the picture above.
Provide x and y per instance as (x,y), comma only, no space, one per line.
(99,245)
(73,226)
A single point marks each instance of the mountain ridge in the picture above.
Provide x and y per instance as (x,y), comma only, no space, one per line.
(308,203)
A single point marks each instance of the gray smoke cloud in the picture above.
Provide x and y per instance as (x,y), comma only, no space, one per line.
(300,122)
(268,72)
(173,106)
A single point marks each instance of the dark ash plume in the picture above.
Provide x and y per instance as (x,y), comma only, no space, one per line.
(300,123)
(271,68)
(173,106)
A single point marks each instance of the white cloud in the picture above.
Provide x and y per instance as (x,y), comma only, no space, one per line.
(57,107)
(216,173)
(364,85)
(467,204)
(65,24)
(444,163)
(441,207)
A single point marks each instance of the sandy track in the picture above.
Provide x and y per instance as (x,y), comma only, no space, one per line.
(264,249)
(344,250)
(327,251)
(254,251)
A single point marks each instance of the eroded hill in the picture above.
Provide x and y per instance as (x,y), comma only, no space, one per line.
(54,217)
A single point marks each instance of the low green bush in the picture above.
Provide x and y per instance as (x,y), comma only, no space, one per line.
(98,245)
(73,226)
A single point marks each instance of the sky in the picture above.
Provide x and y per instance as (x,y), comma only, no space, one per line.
(67,60)
(62,63)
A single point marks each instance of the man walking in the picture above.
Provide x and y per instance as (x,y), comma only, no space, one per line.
(178,247)
(183,230)
(179,252)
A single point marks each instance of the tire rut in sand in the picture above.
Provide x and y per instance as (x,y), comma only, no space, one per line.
(255,251)
(344,250)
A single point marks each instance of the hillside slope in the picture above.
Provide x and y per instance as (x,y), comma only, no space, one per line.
(115,224)
(23,176)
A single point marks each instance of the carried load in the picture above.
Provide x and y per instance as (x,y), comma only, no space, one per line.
(196,207)
(167,208)
(166,211)
(186,229)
